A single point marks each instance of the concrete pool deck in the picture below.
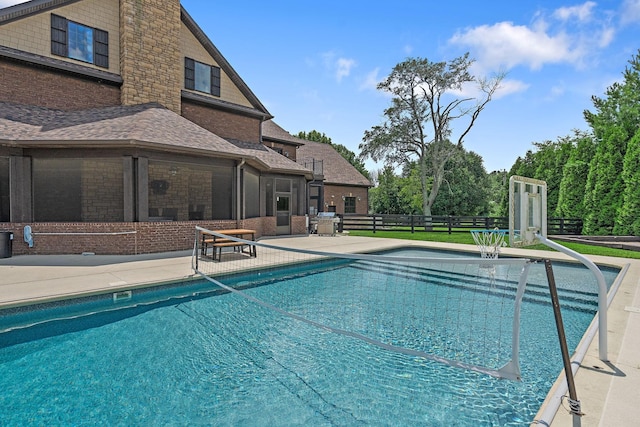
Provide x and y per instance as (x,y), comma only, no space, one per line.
(608,392)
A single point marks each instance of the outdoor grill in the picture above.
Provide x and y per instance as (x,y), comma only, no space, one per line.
(327,223)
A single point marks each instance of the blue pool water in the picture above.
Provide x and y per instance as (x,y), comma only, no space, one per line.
(181,356)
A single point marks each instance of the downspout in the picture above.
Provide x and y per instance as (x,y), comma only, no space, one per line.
(239,194)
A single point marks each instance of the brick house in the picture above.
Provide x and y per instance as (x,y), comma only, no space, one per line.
(337,186)
(122,126)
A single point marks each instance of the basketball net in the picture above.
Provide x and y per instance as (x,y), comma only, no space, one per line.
(489,242)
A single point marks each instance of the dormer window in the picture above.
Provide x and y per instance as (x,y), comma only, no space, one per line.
(201,77)
(80,42)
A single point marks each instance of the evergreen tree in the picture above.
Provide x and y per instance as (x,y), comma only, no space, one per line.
(574,177)
(314,135)
(549,161)
(604,184)
(615,121)
(628,219)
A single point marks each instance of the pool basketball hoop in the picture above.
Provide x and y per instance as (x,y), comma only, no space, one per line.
(489,241)
(527,211)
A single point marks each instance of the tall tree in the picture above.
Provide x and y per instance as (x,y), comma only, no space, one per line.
(385,198)
(349,155)
(418,124)
(574,176)
(314,135)
(551,157)
(547,163)
(628,219)
(615,121)
(498,186)
(410,191)
(465,187)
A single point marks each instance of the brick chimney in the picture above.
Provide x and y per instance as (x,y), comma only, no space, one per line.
(150,59)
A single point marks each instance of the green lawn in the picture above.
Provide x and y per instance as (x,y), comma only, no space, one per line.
(465,237)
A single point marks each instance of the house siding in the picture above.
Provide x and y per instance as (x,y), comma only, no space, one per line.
(192,48)
(33,33)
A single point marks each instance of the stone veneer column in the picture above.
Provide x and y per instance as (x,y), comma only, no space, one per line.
(150,59)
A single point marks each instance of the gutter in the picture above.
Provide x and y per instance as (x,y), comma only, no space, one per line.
(239,193)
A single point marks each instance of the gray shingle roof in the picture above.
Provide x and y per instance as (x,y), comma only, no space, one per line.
(146,125)
(336,169)
(275,161)
(272,131)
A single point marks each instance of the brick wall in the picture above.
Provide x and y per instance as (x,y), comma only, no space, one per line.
(337,191)
(127,238)
(288,151)
(298,225)
(37,86)
(150,58)
(224,124)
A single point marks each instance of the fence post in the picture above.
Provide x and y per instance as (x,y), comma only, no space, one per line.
(449,223)
(374,223)
(411,216)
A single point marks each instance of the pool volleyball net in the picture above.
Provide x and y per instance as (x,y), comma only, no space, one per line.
(462,312)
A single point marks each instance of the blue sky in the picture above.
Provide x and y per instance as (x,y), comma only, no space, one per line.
(315,65)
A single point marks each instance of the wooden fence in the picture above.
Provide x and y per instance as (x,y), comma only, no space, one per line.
(450,224)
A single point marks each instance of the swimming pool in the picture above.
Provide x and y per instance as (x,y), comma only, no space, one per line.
(192,357)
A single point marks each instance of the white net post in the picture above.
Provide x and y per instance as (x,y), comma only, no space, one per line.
(489,242)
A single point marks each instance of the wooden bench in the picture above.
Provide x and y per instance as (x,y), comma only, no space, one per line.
(211,241)
(219,244)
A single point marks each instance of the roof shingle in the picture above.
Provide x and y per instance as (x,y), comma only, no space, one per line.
(336,169)
(150,125)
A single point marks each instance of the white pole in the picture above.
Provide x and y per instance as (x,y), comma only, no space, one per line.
(602,292)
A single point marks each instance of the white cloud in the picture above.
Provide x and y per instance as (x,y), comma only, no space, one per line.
(606,37)
(630,12)
(507,87)
(344,66)
(556,91)
(408,49)
(371,80)
(341,67)
(582,12)
(507,45)
(569,35)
